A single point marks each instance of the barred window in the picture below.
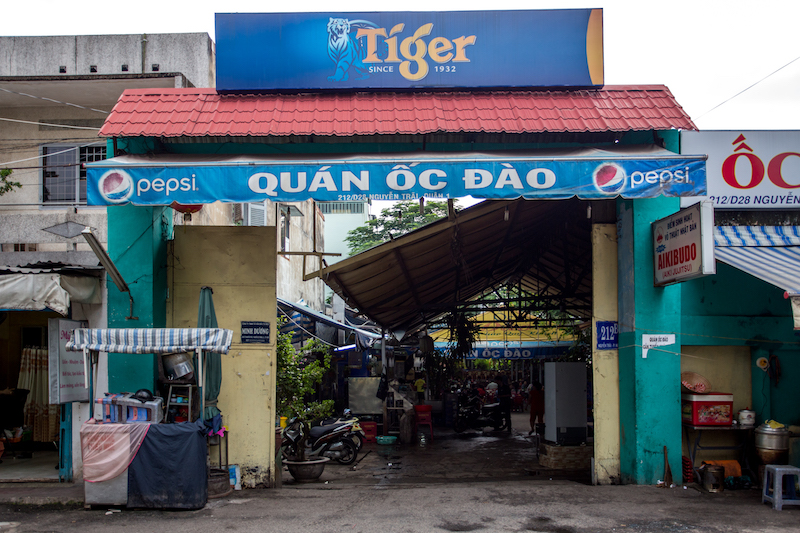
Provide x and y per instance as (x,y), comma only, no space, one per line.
(63,175)
(341,208)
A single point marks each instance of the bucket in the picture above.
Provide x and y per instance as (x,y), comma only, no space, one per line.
(283,421)
(713,478)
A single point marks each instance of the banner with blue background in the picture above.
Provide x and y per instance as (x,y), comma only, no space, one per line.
(146,180)
(396,50)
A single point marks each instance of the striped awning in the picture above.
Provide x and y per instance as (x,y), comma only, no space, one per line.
(770,253)
(149,341)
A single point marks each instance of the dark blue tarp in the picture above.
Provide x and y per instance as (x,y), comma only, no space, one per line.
(169,471)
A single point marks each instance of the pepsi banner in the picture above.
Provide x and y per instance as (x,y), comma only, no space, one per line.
(143,180)
(404,50)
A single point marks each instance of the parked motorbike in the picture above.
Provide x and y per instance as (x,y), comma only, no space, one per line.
(473,414)
(333,441)
(357,433)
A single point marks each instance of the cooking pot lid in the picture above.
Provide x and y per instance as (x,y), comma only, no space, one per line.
(764,428)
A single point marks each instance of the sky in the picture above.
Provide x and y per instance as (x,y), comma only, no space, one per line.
(705,51)
(732,65)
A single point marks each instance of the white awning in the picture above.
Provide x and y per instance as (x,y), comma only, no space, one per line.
(770,253)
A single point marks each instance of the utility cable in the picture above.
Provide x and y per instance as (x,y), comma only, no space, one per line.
(747,89)
(47,124)
(54,101)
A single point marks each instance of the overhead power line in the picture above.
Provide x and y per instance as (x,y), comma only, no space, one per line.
(47,124)
(748,88)
(54,101)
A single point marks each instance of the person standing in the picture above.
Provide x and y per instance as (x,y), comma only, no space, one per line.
(419,386)
(536,400)
(504,399)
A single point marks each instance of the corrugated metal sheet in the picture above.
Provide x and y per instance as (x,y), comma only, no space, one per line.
(206,113)
(407,283)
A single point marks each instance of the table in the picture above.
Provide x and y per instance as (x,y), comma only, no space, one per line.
(743,437)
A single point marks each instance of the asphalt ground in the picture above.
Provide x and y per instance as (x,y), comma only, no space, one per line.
(474,481)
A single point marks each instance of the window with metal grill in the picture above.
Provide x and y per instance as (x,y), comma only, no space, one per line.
(341,208)
(63,174)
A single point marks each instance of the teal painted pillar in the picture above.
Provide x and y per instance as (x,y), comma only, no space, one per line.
(137,243)
(650,410)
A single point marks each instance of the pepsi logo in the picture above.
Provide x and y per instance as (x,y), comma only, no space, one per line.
(116,186)
(609,178)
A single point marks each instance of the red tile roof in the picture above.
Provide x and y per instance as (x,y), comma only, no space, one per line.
(206,113)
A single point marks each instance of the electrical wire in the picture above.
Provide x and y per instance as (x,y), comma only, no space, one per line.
(747,89)
(54,101)
(48,124)
(305,330)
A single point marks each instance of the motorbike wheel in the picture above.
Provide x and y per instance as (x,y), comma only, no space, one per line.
(460,424)
(349,453)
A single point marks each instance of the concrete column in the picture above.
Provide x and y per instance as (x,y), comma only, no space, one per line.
(650,411)
(605,363)
(137,243)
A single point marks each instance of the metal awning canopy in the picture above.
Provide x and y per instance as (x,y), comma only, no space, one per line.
(769,253)
(325,319)
(405,284)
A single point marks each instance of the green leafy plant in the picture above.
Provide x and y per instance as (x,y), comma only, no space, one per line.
(6,185)
(394,222)
(299,374)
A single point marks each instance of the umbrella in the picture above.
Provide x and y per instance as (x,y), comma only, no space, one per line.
(212,362)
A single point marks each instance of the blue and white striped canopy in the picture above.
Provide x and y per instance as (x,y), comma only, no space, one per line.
(770,253)
(151,340)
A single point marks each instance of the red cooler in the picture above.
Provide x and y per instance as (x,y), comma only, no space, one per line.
(712,409)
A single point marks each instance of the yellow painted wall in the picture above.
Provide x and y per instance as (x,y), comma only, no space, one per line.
(239,264)
(728,369)
(605,363)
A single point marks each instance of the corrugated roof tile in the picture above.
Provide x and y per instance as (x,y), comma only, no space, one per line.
(204,112)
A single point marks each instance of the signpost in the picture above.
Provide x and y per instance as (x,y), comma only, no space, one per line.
(683,245)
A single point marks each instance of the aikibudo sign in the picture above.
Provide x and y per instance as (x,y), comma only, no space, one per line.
(683,245)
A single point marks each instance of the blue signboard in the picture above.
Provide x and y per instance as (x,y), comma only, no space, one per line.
(148,181)
(397,50)
(607,335)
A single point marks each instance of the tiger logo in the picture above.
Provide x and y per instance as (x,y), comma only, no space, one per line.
(346,52)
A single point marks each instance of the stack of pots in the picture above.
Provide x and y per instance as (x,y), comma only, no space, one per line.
(772,446)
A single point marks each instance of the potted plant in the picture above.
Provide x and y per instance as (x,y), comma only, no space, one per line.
(299,373)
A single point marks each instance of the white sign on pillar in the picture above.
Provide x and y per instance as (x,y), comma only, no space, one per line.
(652,341)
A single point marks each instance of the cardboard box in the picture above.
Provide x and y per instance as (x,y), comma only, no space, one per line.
(712,409)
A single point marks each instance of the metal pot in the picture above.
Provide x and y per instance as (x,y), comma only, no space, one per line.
(768,438)
(178,365)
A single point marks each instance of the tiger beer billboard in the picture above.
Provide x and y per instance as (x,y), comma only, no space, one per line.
(405,50)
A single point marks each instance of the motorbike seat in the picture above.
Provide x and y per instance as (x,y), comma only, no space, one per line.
(318,431)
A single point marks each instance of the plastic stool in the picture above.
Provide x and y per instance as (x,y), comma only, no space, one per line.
(422,419)
(775,486)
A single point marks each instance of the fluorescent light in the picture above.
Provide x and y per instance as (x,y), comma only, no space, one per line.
(109,265)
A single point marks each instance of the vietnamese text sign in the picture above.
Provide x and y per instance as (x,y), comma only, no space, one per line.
(255,332)
(67,371)
(749,169)
(395,50)
(135,180)
(607,335)
(653,341)
(683,246)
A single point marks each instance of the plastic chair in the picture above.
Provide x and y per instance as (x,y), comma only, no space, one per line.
(422,419)
(778,490)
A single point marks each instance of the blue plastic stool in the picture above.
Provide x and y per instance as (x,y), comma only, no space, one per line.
(778,490)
